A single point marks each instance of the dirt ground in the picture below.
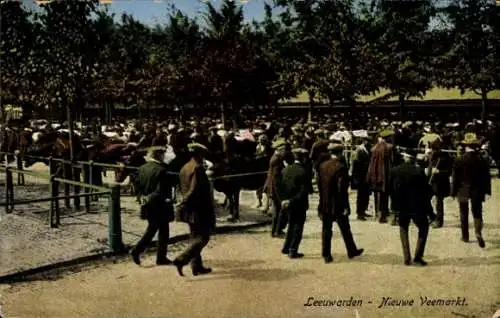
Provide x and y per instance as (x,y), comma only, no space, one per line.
(252,279)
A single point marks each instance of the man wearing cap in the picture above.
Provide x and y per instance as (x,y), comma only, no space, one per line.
(276,165)
(154,193)
(471,181)
(381,161)
(411,198)
(360,163)
(334,202)
(439,166)
(195,209)
(294,192)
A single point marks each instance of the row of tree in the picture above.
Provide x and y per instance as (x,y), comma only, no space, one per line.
(74,53)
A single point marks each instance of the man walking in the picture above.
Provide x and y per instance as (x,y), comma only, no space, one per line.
(294,191)
(360,164)
(381,162)
(471,181)
(154,193)
(411,197)
(276,166)
(196,209)
(333,202)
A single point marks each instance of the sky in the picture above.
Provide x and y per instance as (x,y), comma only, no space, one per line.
(155,11)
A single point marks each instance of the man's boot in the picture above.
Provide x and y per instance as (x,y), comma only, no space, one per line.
(405,243)
(419,251)
(478,227)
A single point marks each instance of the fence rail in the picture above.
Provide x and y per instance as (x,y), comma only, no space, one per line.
(113,193)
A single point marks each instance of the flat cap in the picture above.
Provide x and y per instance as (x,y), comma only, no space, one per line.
(299,151)
(197,146)
(386,133)
(280,143)
(470,139)
(152,151)
(334,146)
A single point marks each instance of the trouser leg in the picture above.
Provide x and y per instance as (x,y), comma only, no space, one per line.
(423,231)
(326,237)
(464,219)
(148,236)
(362,199)
(376,198)
(384,205)
(405,241)
(199,239)
(477,214)
(163,237)
(345,230)
(276,215)
(439,211)
(297,230)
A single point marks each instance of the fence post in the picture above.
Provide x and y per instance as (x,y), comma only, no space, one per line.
(51,166)
(86,190)
(115,225)
(67,172)
(9,191)
(91,178)
(54,204)
(76,189)
(19,163)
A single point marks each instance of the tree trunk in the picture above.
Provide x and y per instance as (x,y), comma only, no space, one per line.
(69,116)
(484,103)
(222,115)
(311,106)
(351,102)
(401,107)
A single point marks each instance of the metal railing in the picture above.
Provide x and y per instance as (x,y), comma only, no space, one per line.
(112,192)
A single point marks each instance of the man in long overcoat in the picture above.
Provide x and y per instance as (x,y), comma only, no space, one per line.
(294,191)
(471,181)
(381,162)
(276,165)
(196,209)
(360,163)
(154,193)
(411,197)
(438,170)
(334,202)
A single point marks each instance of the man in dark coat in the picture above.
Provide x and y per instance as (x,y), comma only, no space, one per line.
(381,161)
(294,191)
(360,163)
(333,203)
(276,166)
(471,181)
(154,193)
(438,170)
(196,209)
(411,197)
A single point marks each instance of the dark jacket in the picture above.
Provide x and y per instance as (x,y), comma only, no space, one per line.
(471,178)
(294,186)
(274,174)
(197,195)
(153,182)
(333,188)
(360,163)
(440,181)
(410,191)
(381,161)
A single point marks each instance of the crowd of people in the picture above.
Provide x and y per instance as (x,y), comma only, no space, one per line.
(388,165)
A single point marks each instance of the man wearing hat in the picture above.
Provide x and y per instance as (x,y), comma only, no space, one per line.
(381,161)
(196,209)
(294,192)
(411,198)
(360,163)
(154,193)
(439,165)
(333,206)
(276,165)
(471,181)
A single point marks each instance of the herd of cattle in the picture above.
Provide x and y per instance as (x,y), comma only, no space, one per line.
(242,152)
